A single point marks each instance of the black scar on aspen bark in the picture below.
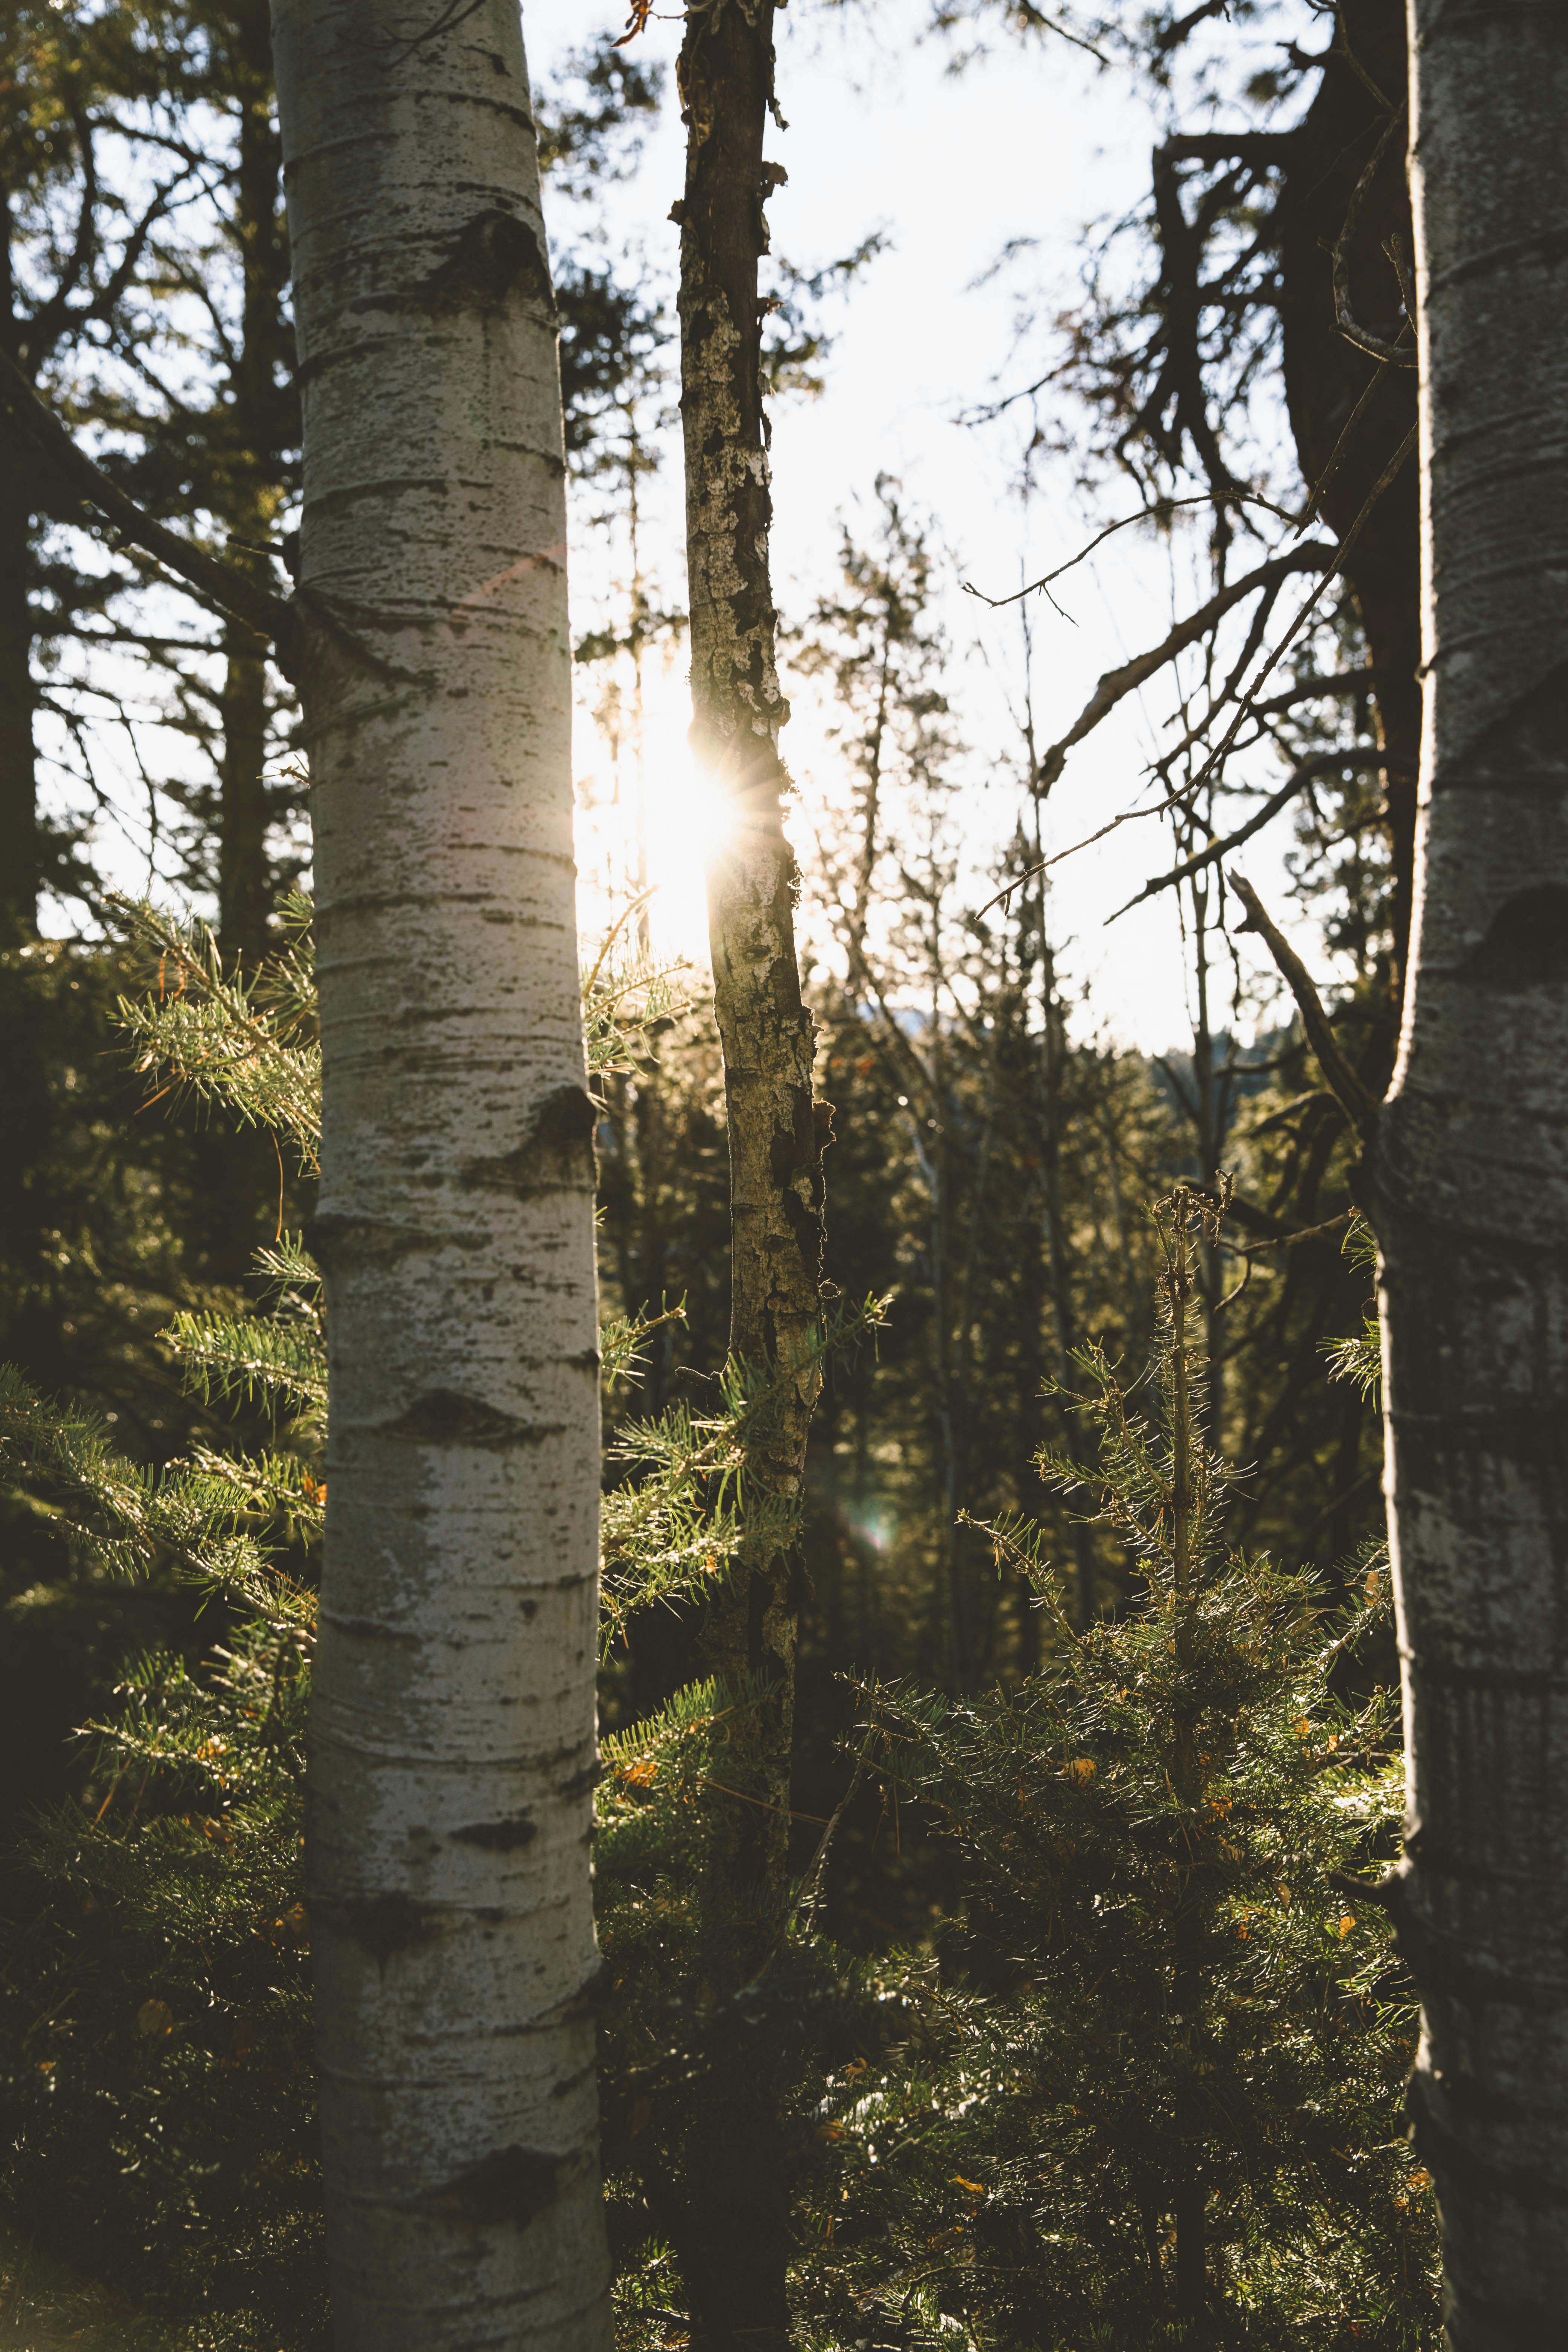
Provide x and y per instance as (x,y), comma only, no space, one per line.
(381,1924)
(442,1417)
(365,1629)
(1526,943)
(589,1997)
(556,1153)
(336,1241)
(494,255)
(514,2184)
(499,1837)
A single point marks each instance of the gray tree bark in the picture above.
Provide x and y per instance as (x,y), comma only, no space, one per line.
(1471,1176)
(453,1744)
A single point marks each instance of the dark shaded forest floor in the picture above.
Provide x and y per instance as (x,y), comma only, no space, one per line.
(45,2303)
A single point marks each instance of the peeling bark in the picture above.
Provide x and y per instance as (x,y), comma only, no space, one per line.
(740,2215)
(1471,1179)
(453,1745)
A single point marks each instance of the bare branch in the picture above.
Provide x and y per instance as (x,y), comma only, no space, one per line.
(1397,353)
(1320,763)
(1307,1233)
(1344,1084)
(1116,684)
(234,594)
(1160,512)
(1246,705)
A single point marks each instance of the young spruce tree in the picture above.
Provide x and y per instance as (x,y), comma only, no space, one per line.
(1157,2099)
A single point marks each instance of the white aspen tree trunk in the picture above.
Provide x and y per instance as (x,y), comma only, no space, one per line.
(1470,1181)
(453,1748)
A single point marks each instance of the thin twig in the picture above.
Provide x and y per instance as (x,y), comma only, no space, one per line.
(1115,684)
(237,597)
(1346,1088)
(811,1884)
(1307,1233)
(1364,755)
(1158,512)
(1393,353)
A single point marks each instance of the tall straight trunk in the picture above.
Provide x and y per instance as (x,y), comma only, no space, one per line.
(25,1328)
(1325,375)
(453,1744)
(1471,1179)
(18,786)
(737,2244)
(936,1160)
(263,422)
(244,888)
(1064,1310)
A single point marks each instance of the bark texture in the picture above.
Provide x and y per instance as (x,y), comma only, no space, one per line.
(1471,1177)
(736,2245)
(453,1751)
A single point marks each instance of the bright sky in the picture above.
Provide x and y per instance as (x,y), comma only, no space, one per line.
(1029,142)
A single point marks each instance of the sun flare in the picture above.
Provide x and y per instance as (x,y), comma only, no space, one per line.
(647,819)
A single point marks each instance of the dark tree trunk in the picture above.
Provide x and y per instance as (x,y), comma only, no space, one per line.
(1326,376)
(738,2226)
(1064,1307)
(19,859)
(245,892)
(1471,1190)
(264,423)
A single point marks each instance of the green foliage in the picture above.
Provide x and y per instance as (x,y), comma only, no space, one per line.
(1360,1358)
(1157,2081)
(157,2082)
(685,1515)
(244,1042)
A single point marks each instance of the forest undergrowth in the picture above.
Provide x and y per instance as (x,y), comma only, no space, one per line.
(1128,2066)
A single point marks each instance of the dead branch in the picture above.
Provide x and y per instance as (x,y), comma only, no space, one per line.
(234,594)
(1159,511)
(1344,1084)
(1397,353)
(1116,684)
(1246,705)
(1320,763)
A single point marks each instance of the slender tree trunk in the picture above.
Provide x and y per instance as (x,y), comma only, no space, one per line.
(18,789)
(739,2232)
(25,1328)
(244,881)
(1471,1179)
(1181,1279)
(264,423)
(453,1747)
(936,1164)
(1052,1057)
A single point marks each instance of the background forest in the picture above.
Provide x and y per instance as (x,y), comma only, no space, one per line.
(1080,2023)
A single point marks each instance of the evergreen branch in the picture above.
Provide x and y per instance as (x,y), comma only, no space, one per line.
(228,1039)
(224,1357)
